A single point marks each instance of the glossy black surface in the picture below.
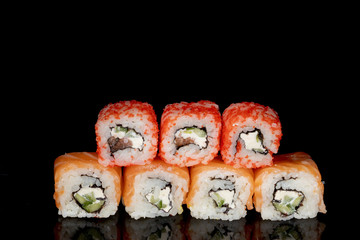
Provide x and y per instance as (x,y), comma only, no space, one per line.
(121,226)
(63,121)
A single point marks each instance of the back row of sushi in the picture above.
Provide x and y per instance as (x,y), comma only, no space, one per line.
(188,169)
(247,134)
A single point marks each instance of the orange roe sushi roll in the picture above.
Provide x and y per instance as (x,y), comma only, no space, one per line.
(190,133)
(251,134)
(126,134)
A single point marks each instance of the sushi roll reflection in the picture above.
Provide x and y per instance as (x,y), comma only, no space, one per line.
(295,229)
(155,189)
(217,229)
(154,229)
(85,188)
(76,228)
(291,188)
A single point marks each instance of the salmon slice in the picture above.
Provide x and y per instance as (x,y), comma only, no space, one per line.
(289,163)
(78,160)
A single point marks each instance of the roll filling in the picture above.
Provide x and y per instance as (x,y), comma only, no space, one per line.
(287,200)
(222,193)
(90,195)
(191,135)
(124,137)
(160,194)
(253,140)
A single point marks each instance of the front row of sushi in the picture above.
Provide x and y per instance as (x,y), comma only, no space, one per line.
(290,188)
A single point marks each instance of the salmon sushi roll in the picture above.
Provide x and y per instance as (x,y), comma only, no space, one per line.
(220,191)
(251,134)
(190,133)
(155,189)
(85,188)
(291,188)
(126,134)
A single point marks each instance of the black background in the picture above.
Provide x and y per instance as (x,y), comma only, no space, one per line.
(62,121)
(60,74)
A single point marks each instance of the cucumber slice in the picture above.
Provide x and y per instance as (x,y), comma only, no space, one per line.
(120,129)
(297,201)
(286,209)
(80,199)
(88,202)
(157,202)
(199,132)
(92,207)
(90,197)
(288,205)
(218,199)
(189,130)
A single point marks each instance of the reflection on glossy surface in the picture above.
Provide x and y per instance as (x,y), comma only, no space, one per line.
(86,229)
(122,226)
(154,228)
(217,229)
(295,229)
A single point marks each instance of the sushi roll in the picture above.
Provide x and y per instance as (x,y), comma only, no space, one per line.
(155,189)
(220,191)
(291,188)
(126,134)
(190,133)
(85,188)
(251,134)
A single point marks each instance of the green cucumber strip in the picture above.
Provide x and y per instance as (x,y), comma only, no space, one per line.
(218,199)
(80,199)
(93,206)
(297,201)
(199,132)
(121,129)
(257,138)
(90,197)
(159,204)
(285,209)
(189,130)
(153,200)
